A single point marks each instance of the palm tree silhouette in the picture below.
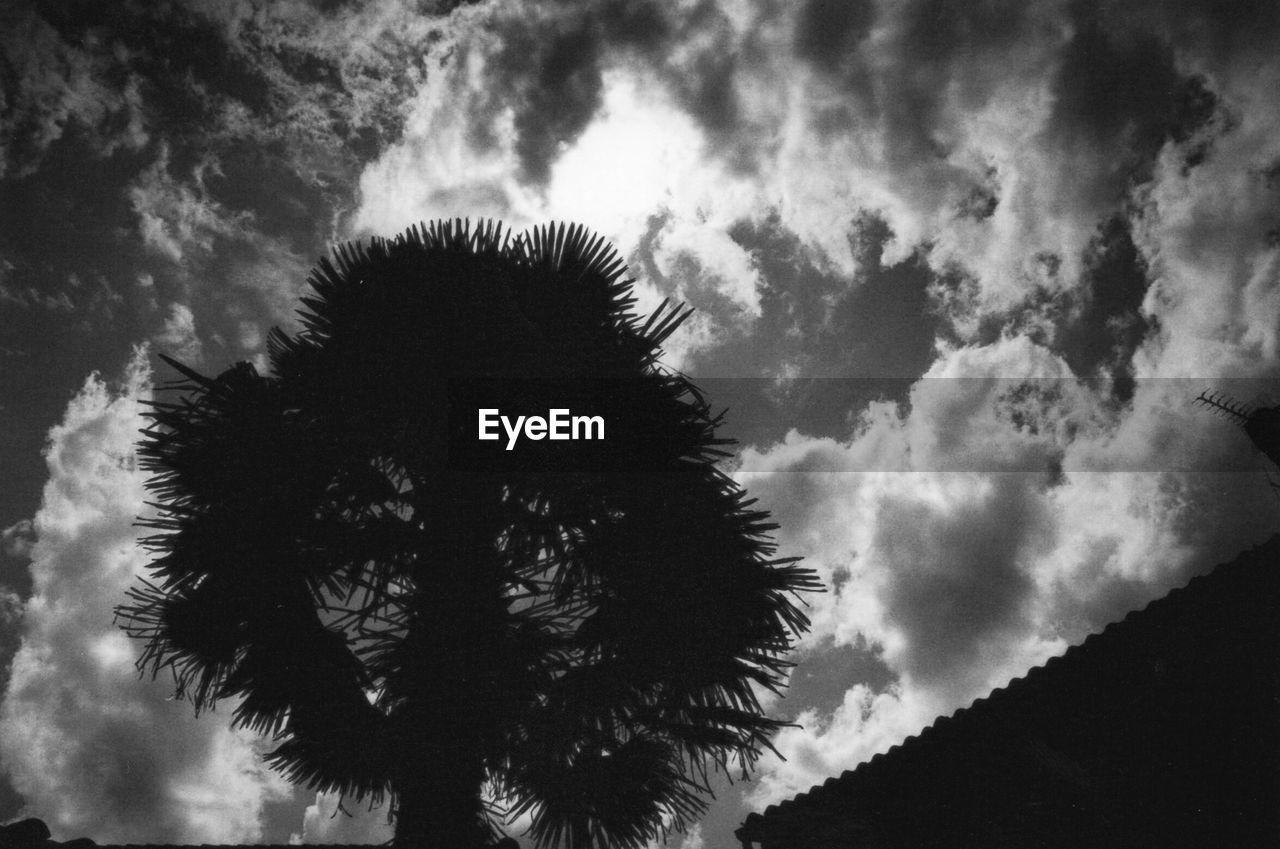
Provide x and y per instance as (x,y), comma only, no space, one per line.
(574,631)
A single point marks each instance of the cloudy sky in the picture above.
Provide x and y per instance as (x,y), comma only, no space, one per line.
(959,268)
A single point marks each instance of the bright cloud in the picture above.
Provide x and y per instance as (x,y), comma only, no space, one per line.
(178,337)
(175,216)
(326,820)
(965,565)
(93,750)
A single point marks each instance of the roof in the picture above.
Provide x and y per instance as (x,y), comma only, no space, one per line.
(1163,729)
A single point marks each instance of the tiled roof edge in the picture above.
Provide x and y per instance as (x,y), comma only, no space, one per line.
(1245,560)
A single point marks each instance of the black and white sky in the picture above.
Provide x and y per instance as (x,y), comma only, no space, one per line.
(959,268)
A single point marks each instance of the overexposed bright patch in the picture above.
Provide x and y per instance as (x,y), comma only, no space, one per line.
(113,652)
(632,162)
(643,159)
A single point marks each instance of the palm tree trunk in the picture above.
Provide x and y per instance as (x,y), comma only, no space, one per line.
(441,810)
(442,771)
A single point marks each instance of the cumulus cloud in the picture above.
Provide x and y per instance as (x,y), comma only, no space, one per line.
(865,723)
(1208,235)
(180,218)
(987,524)
(1051,224)
(535,115)
(323,74)
(178,337)
(18,539)
(93,750)
(326,820)
(175,217)
(1042,184)
(623,176)
(1000,138)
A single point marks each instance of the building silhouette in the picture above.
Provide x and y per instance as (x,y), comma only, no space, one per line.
(1161,731)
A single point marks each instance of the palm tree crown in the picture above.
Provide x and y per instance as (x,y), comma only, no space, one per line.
(575,630)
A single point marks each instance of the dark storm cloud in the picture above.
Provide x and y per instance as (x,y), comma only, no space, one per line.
(551,74)
(926,56)
(851,340)
(828,32)
(840,667)
(1213,32)
(1102,324)
(704,72)
(885,325)
(1119,96)
(48,85)
(794,300)
(1096,325)
(1117,86)
(1114,87)
(950,42)
(958,583)
(195,71)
